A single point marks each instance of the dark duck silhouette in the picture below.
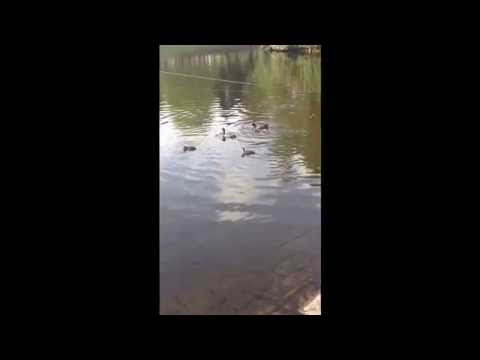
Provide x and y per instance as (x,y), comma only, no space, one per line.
(189,148)
(231,136)
(261,127)
(247,152)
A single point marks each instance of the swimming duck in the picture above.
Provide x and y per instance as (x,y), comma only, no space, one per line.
(247,152)
(255,128)
(261,127)
(231,136)
(189,148)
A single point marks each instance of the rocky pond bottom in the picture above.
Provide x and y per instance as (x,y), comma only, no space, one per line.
(228,276)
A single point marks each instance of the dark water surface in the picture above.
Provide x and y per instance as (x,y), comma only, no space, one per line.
(226,221)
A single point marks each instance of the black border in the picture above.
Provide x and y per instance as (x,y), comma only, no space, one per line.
(90,169)
(156,180)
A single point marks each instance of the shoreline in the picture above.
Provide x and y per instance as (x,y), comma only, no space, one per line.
(303,49)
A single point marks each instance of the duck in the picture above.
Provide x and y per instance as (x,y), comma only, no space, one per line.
(189,148)
(231,136)
(247,152)
(255,128)
(261,127)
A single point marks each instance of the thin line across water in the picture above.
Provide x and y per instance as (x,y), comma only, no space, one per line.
(206,78)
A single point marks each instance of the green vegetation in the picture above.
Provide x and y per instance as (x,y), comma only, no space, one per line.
(178,50)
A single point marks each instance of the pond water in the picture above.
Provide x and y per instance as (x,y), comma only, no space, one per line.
(224,217)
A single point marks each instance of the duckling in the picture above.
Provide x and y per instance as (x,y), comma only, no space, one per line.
(231,136)
(247,152)
(189,148)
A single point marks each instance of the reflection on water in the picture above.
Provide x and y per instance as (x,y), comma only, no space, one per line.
(215,185)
